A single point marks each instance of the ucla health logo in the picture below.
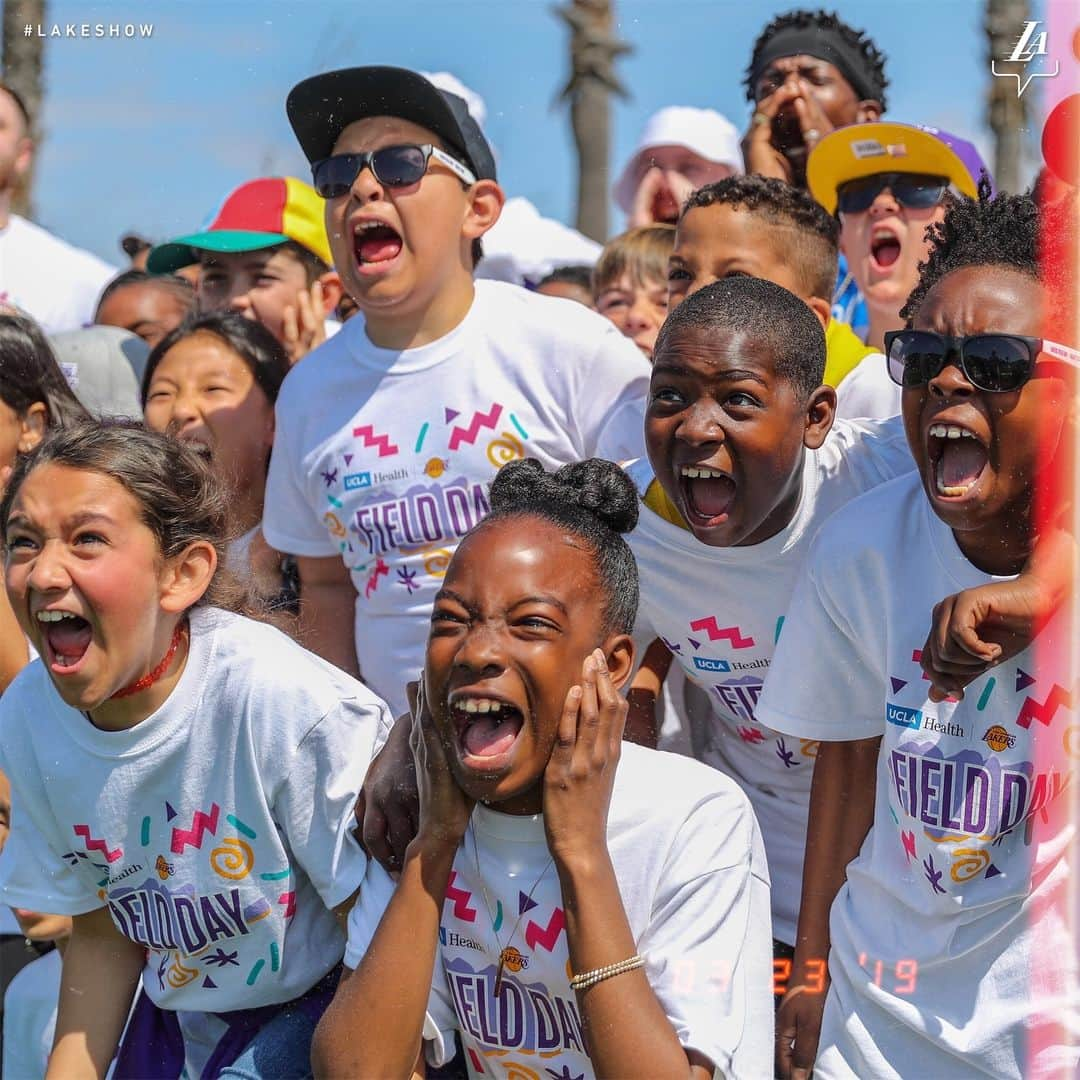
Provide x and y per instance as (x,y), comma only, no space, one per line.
(909,718)
(707,663)
(355,481)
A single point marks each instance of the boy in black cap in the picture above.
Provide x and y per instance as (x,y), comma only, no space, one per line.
(387,441)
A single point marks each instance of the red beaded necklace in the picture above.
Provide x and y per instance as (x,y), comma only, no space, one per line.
(152,677)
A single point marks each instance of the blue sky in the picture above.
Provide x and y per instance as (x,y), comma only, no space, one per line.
(150,134)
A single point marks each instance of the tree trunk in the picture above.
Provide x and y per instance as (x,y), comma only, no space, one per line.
(1007,112)
(23,61)
(593,51)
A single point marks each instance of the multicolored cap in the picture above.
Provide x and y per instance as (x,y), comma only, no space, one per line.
(859,150)
(258,214)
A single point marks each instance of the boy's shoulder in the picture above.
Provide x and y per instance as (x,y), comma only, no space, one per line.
(874,522)
(504,306)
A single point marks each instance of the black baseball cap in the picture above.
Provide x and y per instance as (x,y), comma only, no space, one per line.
(322,107)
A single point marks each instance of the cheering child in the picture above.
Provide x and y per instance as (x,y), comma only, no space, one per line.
(550,903)
(182,776)
(936,837)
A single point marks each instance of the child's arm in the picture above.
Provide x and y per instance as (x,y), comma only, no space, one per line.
(841,814)
(327,610)
(628,1033)
(100,973)
(644,691)
(977,629)
(374,1026)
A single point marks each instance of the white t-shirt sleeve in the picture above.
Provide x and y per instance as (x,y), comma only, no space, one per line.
(612,426)
(822,682)
(375,892)
(868,391)
(708,943)
(440,1022)
(290,523)
(317,798)
(33,872)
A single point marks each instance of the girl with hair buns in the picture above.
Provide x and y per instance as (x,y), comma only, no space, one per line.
(550,904)
(162,755)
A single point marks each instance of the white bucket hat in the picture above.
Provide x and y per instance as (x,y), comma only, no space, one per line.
(703,131)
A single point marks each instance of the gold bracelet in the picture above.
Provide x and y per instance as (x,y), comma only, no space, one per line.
(591,978)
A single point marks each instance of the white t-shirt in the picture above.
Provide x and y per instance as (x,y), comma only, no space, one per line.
(30,1018)
(49,279)
(867,391)
(720,610)
(950,946)
(691,870)
(385,457)
(217,831)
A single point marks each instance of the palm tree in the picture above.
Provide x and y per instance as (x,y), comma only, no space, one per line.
(1006,110)
(22,59)
(594,49)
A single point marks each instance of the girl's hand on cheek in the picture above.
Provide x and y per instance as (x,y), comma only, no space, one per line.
(444,808)
(581,772)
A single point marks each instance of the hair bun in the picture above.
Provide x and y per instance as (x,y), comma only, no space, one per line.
(597,486)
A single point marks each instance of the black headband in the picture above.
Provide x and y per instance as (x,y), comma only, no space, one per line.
(825,45)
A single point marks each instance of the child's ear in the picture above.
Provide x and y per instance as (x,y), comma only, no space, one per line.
(486,200)
(332,291)
(32,425)
(619,653)
(820,414)
(822,308)
(866,112)
(187,577)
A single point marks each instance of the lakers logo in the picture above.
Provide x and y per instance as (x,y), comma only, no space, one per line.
(164,869)
(436,467)
(998,739)
(513,959)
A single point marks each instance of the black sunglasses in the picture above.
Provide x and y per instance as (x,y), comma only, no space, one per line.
(392,166)
(997,363)
(915,191)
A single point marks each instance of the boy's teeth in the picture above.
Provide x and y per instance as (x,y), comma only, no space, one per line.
(54,616)
(692,472)
(950,431)
(479,705)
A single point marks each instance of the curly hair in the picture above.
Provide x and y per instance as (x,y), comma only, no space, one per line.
(829,22)
(1011,231)
(812,236)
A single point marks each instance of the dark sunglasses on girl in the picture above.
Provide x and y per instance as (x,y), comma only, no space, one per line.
(997,363)
(392,166)
(914,191)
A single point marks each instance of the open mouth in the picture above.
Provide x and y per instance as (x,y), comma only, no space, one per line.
(957,458)
(884,248)
(375,242)
(487,729)
(66,637)
(709,494)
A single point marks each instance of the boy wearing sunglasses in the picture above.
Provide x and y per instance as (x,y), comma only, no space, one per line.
(387,441)
(885,182)
(948,943)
